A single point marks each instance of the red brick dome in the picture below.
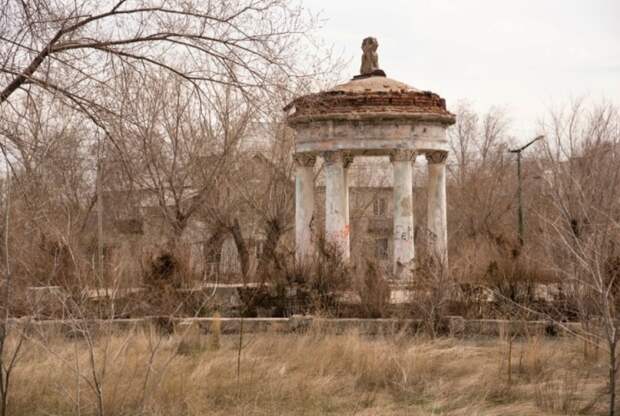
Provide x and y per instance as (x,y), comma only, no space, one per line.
(370,98)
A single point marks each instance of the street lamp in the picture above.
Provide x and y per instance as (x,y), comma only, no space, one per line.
(519,187)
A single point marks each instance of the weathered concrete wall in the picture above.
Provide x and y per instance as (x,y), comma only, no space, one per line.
(370,137)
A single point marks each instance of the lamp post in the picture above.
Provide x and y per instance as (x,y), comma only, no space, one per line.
(519,186)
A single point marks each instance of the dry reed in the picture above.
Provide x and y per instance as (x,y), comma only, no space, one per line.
(144,372)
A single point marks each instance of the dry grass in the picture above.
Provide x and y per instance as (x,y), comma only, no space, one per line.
(310,374)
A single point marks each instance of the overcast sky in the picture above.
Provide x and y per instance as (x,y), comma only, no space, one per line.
(526,56)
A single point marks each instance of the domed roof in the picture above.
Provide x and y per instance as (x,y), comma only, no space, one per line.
(370,95)
(373,84)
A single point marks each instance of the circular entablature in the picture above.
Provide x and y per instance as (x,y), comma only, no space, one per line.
(371,137)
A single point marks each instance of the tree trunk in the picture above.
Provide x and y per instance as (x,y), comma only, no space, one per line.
(100,272)
(269,250)
(6,296)
(213,252)
(3,386)
(612,377)
(242,248)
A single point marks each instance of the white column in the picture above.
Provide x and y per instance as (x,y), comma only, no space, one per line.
(347,160)
(336,219)
(437,216)
(304,206)
(404,251)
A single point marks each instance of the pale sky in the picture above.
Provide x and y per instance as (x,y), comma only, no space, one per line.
(526,56)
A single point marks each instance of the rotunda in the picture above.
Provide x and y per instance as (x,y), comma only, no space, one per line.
(371,115)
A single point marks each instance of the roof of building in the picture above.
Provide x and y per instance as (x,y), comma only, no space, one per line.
(373,84)
(370,97)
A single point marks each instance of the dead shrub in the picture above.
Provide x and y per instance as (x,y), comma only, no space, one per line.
(330,275)
(192,340)
(164,274)
(162,269)
(434,288)
(313,287)
(374,292)
(559,393)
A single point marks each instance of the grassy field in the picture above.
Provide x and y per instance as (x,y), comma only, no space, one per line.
(311,374)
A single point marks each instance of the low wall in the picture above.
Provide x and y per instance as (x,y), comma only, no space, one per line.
(453,326)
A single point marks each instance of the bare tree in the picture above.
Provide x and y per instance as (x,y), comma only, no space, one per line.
(8,356)
(48,153)
(267,188)
(481,171)
(179,146)
(582,219)
(193,156)
(72,53)
(63,46)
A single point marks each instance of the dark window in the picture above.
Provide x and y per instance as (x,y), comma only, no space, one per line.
(381,248)
(379,207)
(212,259)
(260,247)
(213,253)
(130,226)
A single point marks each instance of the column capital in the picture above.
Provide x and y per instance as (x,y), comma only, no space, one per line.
(436,156)
(304,159)
(403,155)
(347,159)
(336,156)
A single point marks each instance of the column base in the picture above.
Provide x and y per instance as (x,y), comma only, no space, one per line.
(403,271)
